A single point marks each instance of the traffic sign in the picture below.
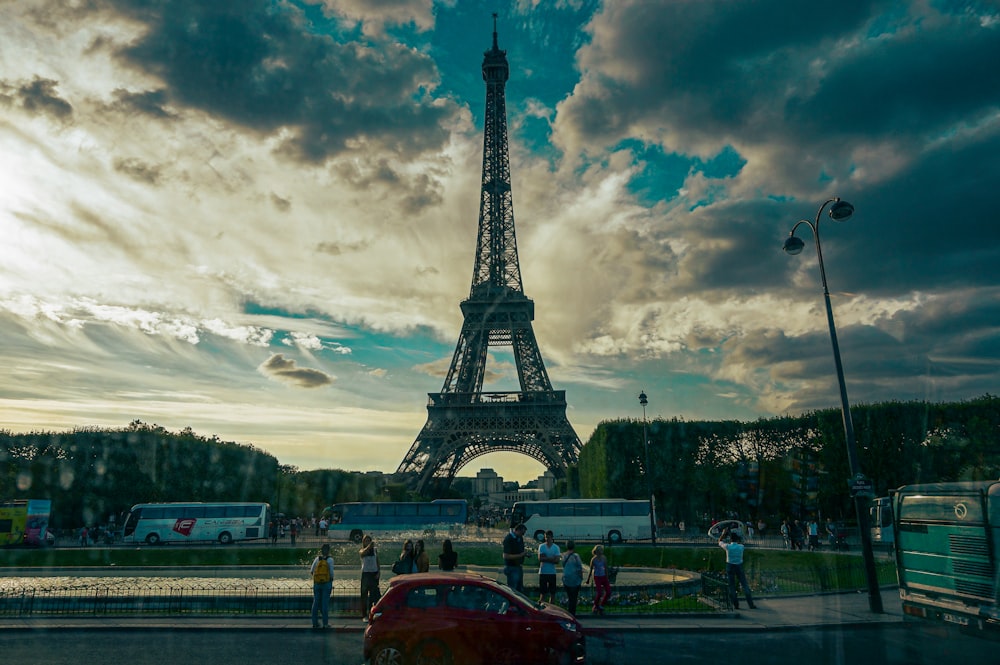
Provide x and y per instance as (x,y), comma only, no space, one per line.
(861,486)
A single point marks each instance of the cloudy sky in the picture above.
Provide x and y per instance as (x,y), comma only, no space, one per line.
(257,218)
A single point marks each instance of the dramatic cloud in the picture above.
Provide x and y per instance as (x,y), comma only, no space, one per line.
(285,370)
(193,187)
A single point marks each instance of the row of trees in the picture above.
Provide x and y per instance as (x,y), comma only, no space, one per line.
(766,468)
(787,465)
(91,474)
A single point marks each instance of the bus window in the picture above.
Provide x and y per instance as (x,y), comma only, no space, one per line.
(215,511)
(963,509)
(589,510)
(540,509)
(611,510)
(631,509)
(428,510)
(561,510)
(361,511)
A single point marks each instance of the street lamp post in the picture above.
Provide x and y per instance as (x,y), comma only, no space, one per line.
(841,211)
(649,480)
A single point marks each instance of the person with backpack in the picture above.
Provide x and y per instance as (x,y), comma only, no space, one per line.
(322,577)
(407,561)
(572,576)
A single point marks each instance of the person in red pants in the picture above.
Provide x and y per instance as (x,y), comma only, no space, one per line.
(599,574)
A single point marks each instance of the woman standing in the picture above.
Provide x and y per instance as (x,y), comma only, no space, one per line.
(407,562)
(448,558)
(599,573)
(422,561)
(572,576)
(369,576)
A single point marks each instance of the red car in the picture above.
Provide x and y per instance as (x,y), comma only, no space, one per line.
(462,618)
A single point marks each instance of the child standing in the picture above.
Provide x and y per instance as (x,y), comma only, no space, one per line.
(599,573)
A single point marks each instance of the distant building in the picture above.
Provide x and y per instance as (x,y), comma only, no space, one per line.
(487,482)
(491,489)
(545,482)
(523,494)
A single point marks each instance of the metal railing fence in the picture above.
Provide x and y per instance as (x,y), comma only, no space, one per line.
(709,593)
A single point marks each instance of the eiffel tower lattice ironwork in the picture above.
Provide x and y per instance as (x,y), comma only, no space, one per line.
(463,422)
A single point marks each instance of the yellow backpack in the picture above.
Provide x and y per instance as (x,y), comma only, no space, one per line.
(321,573)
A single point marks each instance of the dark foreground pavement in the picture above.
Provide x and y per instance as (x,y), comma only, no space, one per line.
(774,614)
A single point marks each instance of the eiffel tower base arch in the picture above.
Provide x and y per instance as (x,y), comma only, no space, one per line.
(461,427)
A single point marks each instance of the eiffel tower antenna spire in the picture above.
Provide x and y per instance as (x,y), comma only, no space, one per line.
(463,422)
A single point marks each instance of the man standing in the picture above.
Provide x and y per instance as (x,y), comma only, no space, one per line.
(514,556)
(548,557)
(813,528)
(734,567)
(797,534)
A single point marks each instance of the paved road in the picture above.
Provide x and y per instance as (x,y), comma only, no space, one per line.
(875,644)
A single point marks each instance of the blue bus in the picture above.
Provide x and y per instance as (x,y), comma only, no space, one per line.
(357,519)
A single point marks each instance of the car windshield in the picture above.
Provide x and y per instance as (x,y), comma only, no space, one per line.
(524,599)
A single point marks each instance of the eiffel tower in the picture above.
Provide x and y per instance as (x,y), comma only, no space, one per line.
(463,422)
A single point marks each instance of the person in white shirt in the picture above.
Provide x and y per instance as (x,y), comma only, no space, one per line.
(548,556)
(734,567)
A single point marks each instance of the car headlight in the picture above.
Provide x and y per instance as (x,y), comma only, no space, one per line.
(568,625)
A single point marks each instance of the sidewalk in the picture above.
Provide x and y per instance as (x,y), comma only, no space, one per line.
(772,614)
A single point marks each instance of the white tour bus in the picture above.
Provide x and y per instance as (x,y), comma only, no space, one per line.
(614,520)
(156,523)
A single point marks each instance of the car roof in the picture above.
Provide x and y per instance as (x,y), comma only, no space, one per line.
(425,579)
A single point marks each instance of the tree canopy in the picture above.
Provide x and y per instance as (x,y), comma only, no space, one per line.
(788,466)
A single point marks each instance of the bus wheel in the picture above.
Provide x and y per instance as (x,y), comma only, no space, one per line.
(226,538)
(540,536)
(152,539)
(615,537)
(356,535)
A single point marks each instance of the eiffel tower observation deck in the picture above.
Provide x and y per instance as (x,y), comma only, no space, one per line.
(463,422)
